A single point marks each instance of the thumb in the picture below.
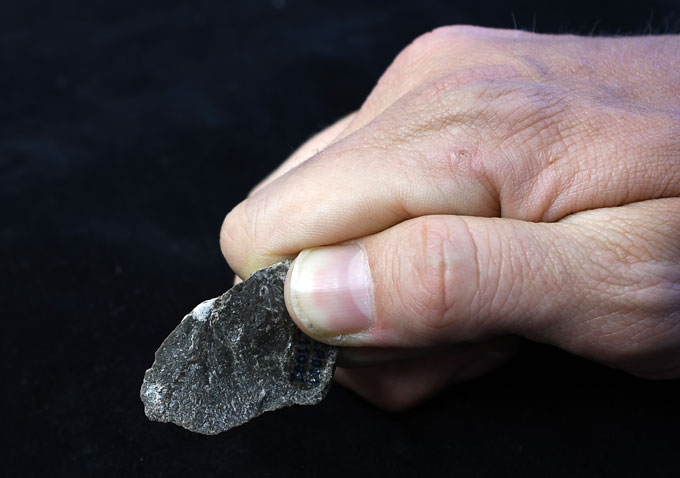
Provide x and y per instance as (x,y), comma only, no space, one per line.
(430,280)
(603,284)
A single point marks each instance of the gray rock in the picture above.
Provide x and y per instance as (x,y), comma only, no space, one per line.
(235,357)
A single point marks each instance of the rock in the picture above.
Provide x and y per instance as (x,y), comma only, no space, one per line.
(235,357)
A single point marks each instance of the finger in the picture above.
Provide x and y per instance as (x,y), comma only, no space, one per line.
(352,189)
(309,148)
(603,284)
(443,156)
(403,384)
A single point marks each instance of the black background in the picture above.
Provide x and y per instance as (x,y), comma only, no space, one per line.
(128,129)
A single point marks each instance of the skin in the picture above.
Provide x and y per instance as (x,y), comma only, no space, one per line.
(501,184)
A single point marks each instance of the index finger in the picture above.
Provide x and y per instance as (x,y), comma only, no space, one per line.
(352,189)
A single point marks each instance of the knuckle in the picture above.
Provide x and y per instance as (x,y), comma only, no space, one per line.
(428,46)
(449,31)
(459,34)
(429,55)
(437,274)
(419,49)
(473,31)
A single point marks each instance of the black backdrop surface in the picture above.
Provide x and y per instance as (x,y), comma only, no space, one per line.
(127,130)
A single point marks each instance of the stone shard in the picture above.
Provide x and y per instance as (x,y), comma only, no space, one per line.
(235,357)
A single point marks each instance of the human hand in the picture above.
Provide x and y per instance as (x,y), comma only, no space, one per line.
(494,184)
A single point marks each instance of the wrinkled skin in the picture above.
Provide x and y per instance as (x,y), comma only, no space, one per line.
(502,184)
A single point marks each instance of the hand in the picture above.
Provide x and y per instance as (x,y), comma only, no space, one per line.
(494,184)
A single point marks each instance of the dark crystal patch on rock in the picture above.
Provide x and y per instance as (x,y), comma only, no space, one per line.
(235,357)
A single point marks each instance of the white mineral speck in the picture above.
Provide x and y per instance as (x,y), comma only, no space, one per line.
(202,311)
(153,393)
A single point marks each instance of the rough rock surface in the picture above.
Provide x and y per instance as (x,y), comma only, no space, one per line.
(235,357)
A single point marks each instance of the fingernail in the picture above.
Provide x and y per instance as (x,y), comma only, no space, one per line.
(331,291)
